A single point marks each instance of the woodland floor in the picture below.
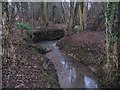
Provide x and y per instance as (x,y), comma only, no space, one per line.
(87,43)
(88,47)
(25,67)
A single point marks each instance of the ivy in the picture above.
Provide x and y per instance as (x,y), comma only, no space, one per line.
(111,15)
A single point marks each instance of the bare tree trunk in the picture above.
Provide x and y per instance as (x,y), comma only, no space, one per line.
(17,4)
(46,15)
(32,15)
(111,47)
(107,41)
(71,19)
(5,31)
(1,49)
(81,16)
(12,16)
(26,11)
(76,13)
(85,9)
(63,12)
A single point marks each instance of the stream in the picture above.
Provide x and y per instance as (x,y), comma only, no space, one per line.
(71,73)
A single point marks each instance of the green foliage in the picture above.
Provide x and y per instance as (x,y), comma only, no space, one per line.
(25,27)
(115,34)
(115,39)
(111,11)
(5,8)
(42,5)
(102,16)
(29,30)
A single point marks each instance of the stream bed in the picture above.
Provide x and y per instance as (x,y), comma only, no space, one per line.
(71,73)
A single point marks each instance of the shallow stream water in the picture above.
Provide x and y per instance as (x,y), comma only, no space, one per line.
(71,73)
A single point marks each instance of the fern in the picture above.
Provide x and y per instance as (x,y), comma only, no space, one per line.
(26,27)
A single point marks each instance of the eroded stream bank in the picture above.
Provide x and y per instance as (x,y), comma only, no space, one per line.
(71,74)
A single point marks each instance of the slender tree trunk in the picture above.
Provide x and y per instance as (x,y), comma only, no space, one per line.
(76,13)
(41,13)
(46,15)
(71,19)
(12,16)
(1,49)
(81,16)
(5,31)
(63,12)
(26,11)
(32,15)
(85,9)
(18,10)
(107,41)
(111,46)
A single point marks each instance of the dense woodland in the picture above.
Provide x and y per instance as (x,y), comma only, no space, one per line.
(85,31)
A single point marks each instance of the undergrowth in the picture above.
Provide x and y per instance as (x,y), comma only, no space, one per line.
(29,30)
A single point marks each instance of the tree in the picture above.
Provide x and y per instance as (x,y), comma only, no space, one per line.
(63,12)
(111,42)
(5,30)
(11,14)
(85,13)
(81,7)
(71,19)
(46,14)
(76,13)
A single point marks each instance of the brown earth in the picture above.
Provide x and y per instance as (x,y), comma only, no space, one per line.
(24,67)
(87,47)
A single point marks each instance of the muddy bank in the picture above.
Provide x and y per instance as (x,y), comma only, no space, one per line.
(71,73)
(87,48)
(47,35)
(24,67)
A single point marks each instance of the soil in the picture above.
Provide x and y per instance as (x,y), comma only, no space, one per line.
(70,72)
(88,47)
(47,35)
(86,43)
(24,67)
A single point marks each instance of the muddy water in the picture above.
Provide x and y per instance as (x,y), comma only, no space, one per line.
(71,74)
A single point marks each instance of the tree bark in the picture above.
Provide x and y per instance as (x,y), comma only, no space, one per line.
(85,9)
(81,16)
(71,19)
(46,15)
(63,12)
(76,13)
(5,30)
(111,46)
(107,42)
